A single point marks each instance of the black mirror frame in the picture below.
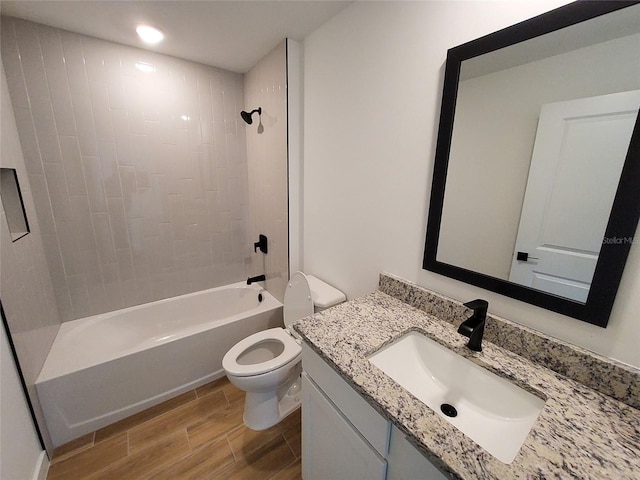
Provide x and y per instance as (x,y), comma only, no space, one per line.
(626,206)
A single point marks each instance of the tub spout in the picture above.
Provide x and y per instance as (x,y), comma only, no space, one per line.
(259,278)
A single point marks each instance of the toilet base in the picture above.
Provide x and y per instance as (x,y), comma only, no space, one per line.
(263,410)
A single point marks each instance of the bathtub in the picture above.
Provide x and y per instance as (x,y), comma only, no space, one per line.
(104,368)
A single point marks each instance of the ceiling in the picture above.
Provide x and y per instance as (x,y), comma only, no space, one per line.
(232,35)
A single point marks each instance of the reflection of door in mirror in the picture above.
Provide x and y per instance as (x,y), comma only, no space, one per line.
(493,137)
(579,151)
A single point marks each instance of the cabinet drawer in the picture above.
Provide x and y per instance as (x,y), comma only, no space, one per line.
(371,425)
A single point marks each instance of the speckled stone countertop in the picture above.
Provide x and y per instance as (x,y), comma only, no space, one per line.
(580,433)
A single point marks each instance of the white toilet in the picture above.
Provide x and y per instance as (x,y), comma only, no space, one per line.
(267,364)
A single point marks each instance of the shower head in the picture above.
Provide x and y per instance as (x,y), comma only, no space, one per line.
(246,116)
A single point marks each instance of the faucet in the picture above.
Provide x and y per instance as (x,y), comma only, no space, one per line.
(258,278)
(261,244)
(473,327)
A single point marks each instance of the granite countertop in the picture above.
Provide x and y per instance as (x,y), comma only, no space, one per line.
(580,432)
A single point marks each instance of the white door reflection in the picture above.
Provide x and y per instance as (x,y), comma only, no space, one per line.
(578,155)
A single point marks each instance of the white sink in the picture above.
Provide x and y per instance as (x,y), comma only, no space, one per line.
(492,411)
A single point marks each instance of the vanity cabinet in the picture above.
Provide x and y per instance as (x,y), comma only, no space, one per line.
(331,447)
(405,462)
(344,437)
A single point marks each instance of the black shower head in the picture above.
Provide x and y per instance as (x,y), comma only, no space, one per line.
(246,116)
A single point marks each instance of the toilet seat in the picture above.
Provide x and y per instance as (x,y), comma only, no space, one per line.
(292,351)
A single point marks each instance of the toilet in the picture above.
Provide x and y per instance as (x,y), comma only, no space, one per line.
(267,365)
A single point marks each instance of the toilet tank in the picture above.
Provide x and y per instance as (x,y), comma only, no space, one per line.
(323,294)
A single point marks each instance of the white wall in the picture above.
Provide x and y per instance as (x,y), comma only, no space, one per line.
(21,456)
(373,82)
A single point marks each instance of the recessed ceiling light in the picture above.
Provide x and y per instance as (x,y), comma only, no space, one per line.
(149,34)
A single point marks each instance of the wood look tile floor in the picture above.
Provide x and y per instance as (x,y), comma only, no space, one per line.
(198,435)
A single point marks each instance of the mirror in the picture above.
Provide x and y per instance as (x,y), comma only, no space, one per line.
(538,159)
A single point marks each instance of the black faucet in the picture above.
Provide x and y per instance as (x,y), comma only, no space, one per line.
(473,327)
(259,278)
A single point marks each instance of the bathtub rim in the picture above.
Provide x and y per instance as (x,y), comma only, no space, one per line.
(50,372)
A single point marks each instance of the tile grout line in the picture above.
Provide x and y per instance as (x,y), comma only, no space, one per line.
(289,445)
(74,452)
(158,417)
(235,459)
(284,468)
(226,397)
(186,432)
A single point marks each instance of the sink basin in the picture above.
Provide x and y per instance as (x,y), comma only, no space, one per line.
(492,411)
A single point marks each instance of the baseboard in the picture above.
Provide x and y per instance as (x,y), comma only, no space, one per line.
(42,468)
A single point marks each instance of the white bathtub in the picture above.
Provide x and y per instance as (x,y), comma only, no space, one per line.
(106,367)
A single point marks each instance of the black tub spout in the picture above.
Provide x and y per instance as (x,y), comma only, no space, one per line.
(259,278)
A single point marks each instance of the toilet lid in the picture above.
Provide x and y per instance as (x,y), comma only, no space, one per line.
(297,300)
(291,351)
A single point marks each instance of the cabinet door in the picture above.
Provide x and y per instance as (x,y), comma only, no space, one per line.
(331,447)
(407,463)
(370,424)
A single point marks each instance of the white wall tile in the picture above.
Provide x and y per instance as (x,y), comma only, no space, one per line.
(83,234)
(115,88)
(61,101)
(31,58)
(92,51)
(47,135)
(266,164)
(137,202)
(95,183)
(110,175)
(51,45)
(26,286)
(56,268)
(70,251)
(85,124)
(42,203)
(102,230)
(112,284)
(117,219)
(11,62)
(119,122)
(101,111)
(74,63)
(79,296)
(28,140)
(72,164)
(58,193)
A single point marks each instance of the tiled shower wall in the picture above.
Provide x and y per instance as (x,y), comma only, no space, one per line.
(26,288)
(266,87)
(137,163)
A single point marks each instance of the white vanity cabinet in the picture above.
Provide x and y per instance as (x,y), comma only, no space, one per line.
(343,437)
(405,462)
(331,447)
